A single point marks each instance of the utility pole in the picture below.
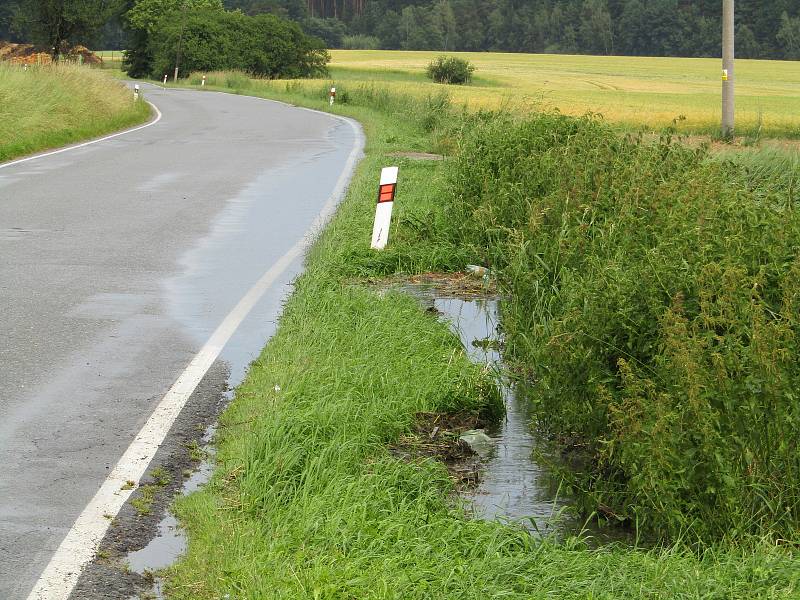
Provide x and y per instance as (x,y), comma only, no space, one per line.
(728,57)
(180,41)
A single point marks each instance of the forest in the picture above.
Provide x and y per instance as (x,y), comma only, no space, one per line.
(767,29)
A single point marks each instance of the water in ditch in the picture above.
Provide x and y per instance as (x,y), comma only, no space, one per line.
(513,487)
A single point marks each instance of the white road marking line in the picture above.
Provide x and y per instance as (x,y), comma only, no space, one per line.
(83,539)
(83,145)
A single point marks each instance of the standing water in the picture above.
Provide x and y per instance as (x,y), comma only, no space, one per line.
(513,487)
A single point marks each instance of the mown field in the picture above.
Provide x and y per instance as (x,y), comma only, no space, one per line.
(50,106)
(632,91)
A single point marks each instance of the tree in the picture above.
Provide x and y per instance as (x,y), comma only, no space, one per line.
(58,25)
(595,31)
(746,43)
(633,36)
(291,9)
(148,14)
(330,31)
(447,23)
(789,37)
(142,20)
(264,45)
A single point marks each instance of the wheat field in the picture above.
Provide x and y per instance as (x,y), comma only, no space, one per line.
(631,91)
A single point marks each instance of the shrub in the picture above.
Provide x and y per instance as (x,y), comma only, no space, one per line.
(450,69)
(360,42)
(655,304)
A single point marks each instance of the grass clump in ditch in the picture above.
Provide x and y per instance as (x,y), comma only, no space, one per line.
(50,106)
(655,302)
(143,503)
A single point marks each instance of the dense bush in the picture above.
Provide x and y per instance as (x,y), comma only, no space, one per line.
(211,40)
(656,306)
(264,45)
(450,69)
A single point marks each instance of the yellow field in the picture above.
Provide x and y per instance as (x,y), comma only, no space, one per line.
(632,91)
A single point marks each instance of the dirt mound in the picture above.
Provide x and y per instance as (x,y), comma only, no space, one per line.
(26,54)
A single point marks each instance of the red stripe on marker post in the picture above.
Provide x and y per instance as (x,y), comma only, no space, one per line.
(383,212)
(386,192)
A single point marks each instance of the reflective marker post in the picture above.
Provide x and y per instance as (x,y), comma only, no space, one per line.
(135,92)
(333,95)
(165,80)
(383,212)
(203,83)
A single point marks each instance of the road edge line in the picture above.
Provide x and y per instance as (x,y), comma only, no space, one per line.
(79,547)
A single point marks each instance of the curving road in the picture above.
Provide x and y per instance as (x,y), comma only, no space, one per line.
(118,260)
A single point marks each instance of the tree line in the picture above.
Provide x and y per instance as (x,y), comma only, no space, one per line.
(766,29)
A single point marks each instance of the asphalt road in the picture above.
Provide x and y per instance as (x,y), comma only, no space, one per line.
(117,261)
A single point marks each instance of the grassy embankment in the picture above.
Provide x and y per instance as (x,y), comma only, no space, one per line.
(307,501)
(50,106)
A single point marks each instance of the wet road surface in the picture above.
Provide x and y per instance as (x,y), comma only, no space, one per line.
(117,261)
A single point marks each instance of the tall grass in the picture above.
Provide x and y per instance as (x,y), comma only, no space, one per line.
(656,307)
(49,106)
(308,502)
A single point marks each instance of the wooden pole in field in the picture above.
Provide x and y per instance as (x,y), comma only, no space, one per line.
(728,58)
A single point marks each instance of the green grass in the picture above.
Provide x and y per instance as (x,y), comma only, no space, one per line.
(51,106)
(306,500)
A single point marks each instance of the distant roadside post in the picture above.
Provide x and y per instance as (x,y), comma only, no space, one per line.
(136,92)
(333,95)
(383,212)
(728,59)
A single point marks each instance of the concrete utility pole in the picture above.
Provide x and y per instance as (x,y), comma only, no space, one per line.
(728,54)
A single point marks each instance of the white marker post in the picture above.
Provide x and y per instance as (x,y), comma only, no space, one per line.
(383,213)
(136,92)
(203,83)
(333,95)
(165,80)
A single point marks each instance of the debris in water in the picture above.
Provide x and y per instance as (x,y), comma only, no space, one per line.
(480,443)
